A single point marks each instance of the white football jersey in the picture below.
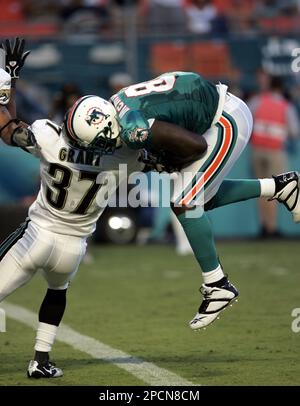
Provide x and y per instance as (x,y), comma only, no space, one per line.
(67,200)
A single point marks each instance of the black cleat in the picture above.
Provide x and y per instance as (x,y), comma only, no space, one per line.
(43,370)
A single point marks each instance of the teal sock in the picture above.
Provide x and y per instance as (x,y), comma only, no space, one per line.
(199,233)
(234,190)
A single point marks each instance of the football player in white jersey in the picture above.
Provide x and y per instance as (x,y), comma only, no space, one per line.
(53,238)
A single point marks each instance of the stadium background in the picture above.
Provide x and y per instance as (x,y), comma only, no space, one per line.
(140,299)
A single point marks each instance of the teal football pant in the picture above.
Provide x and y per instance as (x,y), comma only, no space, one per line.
(205,179)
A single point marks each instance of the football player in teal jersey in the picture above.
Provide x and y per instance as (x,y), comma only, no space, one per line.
(190,125)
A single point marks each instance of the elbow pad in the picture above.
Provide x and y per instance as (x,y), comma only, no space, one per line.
(23,137)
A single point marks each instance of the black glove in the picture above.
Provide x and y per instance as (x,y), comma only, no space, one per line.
(15,56)
(151,161)
(155,162)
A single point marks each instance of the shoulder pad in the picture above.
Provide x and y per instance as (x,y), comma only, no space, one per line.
(46,126)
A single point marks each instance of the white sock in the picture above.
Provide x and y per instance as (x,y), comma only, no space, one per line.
(267,187)
(45,337)
(213,276)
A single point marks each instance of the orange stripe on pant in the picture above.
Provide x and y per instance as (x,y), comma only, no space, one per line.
(228,134)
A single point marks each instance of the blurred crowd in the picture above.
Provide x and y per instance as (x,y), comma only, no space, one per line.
(108,17)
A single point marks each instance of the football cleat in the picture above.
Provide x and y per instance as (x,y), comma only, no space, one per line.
(43,370)
(215,299)
(287,192)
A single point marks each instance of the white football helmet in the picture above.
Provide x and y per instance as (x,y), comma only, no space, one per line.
(91,123)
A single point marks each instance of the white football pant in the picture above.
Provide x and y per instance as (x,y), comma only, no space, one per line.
(30,249)
(226,140)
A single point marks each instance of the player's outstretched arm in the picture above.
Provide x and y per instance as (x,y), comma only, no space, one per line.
(7,125)
(12,131)
(181,145)
(14,61)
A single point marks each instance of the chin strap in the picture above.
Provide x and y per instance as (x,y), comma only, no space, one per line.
(13,120)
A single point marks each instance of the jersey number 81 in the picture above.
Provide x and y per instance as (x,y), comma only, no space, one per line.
(158,85)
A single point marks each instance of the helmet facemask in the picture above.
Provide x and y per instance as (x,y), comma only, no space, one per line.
(104,140)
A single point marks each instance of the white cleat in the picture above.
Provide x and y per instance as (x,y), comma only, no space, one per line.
(287,192)
(215,299)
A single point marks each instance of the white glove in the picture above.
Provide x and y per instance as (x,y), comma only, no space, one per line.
(5,84)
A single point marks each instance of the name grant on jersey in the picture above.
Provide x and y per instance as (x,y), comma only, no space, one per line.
(79,156)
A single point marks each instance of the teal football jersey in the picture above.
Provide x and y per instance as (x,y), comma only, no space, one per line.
(182,98)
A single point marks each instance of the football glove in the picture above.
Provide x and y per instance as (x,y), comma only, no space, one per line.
(155,162)
(15,56)
(151,161)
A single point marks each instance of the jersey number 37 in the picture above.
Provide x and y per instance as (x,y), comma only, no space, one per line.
(59,198)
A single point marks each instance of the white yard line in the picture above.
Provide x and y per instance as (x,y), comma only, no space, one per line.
(145,371)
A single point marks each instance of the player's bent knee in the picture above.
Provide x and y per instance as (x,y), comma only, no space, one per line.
(58,286)
(58,281)
(178,210)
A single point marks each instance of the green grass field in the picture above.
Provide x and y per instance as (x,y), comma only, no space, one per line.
(139,300)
